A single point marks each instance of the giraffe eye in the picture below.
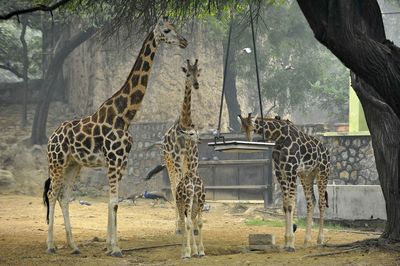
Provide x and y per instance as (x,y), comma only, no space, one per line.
(167,31)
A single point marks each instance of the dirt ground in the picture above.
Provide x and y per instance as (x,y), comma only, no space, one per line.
(23,237)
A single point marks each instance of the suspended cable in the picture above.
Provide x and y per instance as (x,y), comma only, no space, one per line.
(224,80)
(258,77)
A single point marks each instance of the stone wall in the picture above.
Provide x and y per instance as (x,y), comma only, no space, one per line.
(352,159)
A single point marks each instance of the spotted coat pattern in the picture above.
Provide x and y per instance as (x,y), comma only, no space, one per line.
(181,157)
(296,154)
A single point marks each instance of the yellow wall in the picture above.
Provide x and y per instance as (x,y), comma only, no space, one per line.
(357,121)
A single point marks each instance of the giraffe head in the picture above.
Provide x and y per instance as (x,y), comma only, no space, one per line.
(192,73)
(165,31)
(189,133)
(248,125)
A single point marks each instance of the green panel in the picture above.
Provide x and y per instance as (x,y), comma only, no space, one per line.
(357,120)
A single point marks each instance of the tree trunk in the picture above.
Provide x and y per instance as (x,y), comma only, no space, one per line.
(384,126)
(25,63)
(230,91)
(38,135)
(354,32)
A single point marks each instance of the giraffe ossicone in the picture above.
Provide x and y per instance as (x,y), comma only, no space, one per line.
(102,139)
(295,154)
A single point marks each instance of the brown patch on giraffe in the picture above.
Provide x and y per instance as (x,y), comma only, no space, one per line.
(136,97)
(135,80)
(143,80)
(120,103)
(147,50)
(145,66)
(130,114)
(102,115)
(138,65)
(110,115)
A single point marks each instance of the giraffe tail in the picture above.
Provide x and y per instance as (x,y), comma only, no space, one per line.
(155,171)
(46,197)
(326,199)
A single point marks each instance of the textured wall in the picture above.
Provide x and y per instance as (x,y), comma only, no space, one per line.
(352,159)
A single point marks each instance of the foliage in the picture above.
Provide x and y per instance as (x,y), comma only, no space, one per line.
(295,71)
(10,48)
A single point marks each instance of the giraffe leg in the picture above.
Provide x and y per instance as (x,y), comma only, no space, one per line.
(70,175)
(188,233)
(194,230)
(308,187)
(289,197)
(57,179)
(322,184)
(112,240)
(200,235)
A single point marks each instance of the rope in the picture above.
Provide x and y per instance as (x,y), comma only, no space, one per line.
(224,80)
(258,78)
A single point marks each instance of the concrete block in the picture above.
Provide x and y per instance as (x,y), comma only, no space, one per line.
(262,242)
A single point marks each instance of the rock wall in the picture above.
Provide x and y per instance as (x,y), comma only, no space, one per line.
(353,161)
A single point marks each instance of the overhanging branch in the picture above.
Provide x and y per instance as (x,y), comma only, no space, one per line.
(33,9)
(12,70)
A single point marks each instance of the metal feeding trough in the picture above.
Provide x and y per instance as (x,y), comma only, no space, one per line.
(241,146)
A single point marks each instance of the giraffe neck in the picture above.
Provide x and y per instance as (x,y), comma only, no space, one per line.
(274,130)
(120,109)
(186,116)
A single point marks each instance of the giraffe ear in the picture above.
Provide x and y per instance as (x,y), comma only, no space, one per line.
(184,69)
(253,120)
(199,71)
(162,20)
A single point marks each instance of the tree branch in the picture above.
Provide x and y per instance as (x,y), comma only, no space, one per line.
(33,9)
(12,70)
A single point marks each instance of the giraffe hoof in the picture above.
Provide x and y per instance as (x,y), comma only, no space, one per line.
(117,254)
(51,251)
(196,232)
(76,252)
(290,249)
(201,254)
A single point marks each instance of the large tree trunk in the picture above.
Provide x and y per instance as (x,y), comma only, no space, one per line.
(354,32)
(230,87)
(38,135)
(384,126)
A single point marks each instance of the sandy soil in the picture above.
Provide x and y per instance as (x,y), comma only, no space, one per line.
(23,237)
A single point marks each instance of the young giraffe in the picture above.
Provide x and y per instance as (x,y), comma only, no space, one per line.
(296,154)
(181,157)
(175,147)
(101,139)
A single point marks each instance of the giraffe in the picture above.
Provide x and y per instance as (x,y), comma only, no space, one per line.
(190,198)
(175,147)
(181,157)
(101,139)
(296,154)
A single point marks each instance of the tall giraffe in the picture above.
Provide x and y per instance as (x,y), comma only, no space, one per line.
(177,143)
(296,154)
(101,139)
